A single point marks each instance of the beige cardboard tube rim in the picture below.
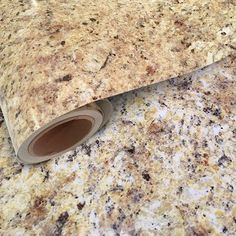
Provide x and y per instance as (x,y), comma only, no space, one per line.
(61,136)
(63,133)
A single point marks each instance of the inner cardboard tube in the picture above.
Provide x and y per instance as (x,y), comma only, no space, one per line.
(64,133)
(61,136)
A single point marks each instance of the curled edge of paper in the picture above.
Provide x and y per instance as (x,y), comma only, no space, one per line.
(64,133)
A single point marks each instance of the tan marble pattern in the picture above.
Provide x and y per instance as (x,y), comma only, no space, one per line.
(165,164)
(59,55)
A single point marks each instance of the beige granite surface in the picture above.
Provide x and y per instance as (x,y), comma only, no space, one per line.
(59,55)
(165,164)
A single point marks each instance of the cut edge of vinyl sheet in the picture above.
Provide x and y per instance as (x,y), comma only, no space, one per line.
(64,133)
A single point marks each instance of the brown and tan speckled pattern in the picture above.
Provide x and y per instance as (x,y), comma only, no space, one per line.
(165,164)
(59,55)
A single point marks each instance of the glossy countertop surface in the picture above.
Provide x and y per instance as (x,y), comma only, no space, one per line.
(164,165)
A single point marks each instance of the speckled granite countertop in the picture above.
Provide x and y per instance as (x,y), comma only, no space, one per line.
(164,165)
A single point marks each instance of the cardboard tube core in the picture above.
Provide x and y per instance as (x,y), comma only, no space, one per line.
(64,133)
(60,136)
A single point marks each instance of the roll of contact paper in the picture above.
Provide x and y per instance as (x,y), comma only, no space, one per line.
(60,60)
(64,133)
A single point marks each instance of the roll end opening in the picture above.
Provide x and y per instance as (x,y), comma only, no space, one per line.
(60,137)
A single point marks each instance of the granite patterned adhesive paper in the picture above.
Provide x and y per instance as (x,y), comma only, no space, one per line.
(165,164)
(59,55)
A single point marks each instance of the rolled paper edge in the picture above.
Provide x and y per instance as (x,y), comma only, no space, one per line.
(99,112)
